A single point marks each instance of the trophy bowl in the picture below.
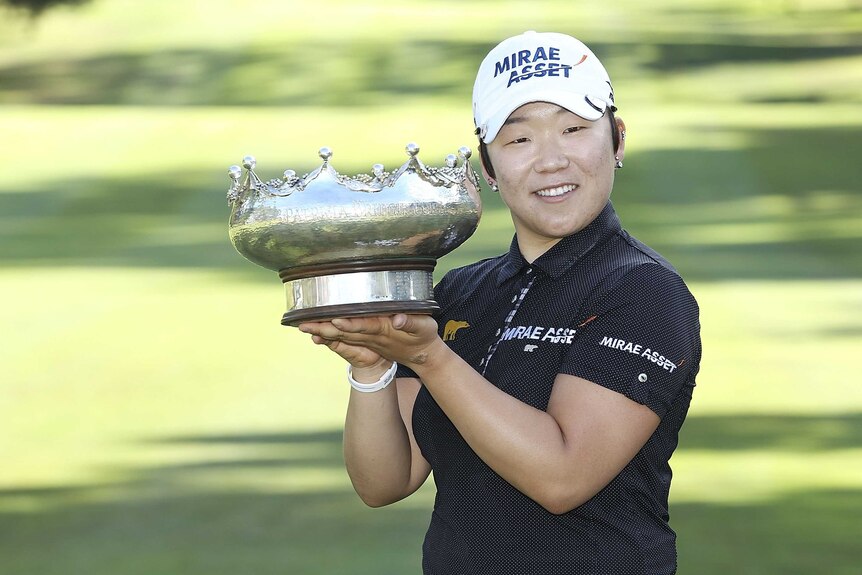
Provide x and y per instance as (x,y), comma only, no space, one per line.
(359,245)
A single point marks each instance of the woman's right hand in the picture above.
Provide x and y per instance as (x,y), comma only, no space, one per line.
(361,358)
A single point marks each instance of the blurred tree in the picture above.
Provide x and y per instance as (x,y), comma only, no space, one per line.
(36,7)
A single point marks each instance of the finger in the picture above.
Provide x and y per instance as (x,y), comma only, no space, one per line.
(357,356)
(322,340)
(326,330)
(308,327)
(332,344)
(364,325)
(400,321)
(405,323)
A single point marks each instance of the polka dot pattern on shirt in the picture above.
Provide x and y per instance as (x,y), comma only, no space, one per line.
(598,305)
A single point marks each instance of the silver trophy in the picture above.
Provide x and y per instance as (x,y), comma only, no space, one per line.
(354,246)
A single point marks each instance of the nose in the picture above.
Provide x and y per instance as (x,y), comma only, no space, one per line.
(550,157)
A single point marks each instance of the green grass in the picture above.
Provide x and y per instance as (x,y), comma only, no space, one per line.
(156,418)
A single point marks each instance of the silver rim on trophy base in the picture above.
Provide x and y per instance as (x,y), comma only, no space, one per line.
(352,246)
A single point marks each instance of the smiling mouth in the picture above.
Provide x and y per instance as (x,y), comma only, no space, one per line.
(558,191)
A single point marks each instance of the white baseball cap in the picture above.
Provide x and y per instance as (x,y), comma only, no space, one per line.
(539,67)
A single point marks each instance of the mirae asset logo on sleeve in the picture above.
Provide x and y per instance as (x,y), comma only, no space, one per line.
(638,349)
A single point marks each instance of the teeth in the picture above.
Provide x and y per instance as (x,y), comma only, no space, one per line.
(558,191)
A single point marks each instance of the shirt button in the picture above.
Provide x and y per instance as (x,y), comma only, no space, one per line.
(642,377)
(529,270)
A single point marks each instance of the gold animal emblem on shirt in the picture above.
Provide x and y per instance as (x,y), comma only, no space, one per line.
(452,326)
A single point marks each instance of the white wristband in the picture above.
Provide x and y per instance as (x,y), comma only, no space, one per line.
(381,383)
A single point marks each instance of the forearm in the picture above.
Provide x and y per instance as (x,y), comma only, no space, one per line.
(524,445)
(559,457)
(377,450)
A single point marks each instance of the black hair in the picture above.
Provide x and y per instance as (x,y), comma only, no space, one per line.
(615,140)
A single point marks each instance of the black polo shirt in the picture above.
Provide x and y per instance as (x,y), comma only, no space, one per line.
(599,305)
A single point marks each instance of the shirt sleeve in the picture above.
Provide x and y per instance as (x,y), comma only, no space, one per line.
(641,339)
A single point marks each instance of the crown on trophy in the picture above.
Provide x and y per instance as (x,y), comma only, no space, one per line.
(448,176)
(354,245)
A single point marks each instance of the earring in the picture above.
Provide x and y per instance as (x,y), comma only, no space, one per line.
(623,134)
(619,163)
(494,187)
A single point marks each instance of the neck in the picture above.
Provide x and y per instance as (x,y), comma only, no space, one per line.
(532,250)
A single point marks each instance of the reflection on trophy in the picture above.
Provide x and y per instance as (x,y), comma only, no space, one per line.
(351,246)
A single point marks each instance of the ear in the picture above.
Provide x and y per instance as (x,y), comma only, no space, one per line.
(620,152)
(482,161)
(487,176)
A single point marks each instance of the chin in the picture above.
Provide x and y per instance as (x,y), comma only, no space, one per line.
(568,229)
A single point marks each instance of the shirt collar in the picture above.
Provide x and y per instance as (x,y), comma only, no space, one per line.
(562,255)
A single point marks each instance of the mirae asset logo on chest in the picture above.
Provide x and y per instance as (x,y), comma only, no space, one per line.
(539,333)
(526,64)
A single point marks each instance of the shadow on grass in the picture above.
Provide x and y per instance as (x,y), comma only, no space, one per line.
(213,533)
(338,74)
(186,518)
(787,206)
(772,432)
(798,533)
(360,73)
(675,56)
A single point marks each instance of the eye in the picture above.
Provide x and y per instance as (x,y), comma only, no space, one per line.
(573,129)
(519,141)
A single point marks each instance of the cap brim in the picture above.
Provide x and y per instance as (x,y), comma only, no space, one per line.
(575,103)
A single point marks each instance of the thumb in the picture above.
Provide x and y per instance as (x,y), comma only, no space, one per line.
(402,322)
